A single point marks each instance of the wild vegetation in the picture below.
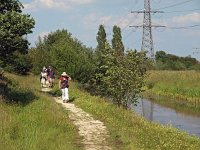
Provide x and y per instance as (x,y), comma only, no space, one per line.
(39,122)
(129,131)
(64,53)
(181,87)
(33,120)
(106,71)
(13,27)
(109,70)
(166,61)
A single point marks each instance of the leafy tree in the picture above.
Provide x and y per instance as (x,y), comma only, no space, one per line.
(39,57)
(64,53)
(14,26)
(161,56)
(107,60)
(172,62)
(124,81)
(22,63)
(117,43)
(101,40)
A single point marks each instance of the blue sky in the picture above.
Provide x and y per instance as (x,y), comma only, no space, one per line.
(83,17)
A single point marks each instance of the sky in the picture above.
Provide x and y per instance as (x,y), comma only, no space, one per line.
(82,18)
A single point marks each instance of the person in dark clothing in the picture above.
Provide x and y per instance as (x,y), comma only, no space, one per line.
(51,76)
(64,85)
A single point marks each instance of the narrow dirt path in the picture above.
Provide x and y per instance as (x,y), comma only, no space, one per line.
(93,131)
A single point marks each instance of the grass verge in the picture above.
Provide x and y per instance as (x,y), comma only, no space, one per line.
(129,131)
(36,122)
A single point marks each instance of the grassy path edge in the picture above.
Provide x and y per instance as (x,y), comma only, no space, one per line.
(129,131)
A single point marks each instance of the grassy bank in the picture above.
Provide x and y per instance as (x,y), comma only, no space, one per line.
(42,124)
(38,122)
(128,131)
(181,86)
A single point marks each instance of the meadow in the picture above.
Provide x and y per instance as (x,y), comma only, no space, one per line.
(43,124)
(30,119)
(181,87)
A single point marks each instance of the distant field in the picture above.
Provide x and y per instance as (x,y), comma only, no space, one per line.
(183,86)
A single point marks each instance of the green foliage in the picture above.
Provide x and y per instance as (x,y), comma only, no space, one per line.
(40,124)
(117,43)
(117,75)
(171,62)
(39,57)
(101,46)
(13,27)
(22,63)
(128,131)
(10,5)
(64,53)
(124,79)
(180,87)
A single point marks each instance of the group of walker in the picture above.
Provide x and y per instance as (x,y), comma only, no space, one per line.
(48,76)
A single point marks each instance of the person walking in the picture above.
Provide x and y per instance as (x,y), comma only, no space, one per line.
(64,85)
(51,76)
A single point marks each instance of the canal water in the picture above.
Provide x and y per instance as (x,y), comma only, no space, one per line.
(157,113)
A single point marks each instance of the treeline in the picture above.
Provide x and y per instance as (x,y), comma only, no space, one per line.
(166,61)
(107,70)
(64,53)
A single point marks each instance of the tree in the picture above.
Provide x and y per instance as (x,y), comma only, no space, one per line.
(117,43)
(101,40)
(14,26)
(172,62)
(64,53)
(124,80)
(161,56)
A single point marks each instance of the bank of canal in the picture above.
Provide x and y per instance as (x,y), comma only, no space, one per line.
(161,114)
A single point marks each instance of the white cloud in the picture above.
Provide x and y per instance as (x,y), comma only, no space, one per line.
(55,4)
(189,18)
(93,20)
(128,20)
(80,2)
(41,35)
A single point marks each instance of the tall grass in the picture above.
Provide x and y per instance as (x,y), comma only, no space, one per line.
(37,124)
(41,124)
(183,86)
(129,131)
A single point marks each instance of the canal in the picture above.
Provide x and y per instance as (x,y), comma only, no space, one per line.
(161,114)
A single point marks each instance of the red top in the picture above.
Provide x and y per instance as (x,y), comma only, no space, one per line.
(63,78)
(64,82)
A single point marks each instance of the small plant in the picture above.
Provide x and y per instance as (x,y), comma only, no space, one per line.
(150,84)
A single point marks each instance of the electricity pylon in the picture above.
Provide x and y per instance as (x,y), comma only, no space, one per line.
(147,38)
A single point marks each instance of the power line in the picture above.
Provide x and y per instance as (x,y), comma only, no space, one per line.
(182,11)
(128,34)
(177,4)
(147,39)
(121,20)
(185,27)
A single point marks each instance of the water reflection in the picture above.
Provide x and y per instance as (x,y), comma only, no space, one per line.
(164,115)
